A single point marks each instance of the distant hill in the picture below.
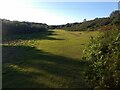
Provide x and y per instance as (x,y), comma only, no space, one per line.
(16,27)
(113,19)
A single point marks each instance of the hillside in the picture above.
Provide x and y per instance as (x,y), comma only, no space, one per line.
(17,27)
(97,23)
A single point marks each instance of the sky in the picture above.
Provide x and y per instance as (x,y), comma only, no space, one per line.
(54,13)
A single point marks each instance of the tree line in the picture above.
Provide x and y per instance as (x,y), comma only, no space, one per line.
(15,27)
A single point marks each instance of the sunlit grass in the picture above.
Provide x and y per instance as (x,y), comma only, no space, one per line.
(53,60)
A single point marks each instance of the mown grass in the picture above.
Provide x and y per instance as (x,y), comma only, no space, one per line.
(48,60)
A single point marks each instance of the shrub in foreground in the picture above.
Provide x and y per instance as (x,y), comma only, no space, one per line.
(103,56)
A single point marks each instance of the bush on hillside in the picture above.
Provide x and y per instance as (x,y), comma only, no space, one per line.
(113,19)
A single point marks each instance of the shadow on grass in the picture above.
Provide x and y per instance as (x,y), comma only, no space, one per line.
(27,67)
(34,36)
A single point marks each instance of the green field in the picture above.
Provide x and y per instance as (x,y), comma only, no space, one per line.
(49,60)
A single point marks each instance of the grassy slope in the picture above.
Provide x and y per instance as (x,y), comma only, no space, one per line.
(48,60)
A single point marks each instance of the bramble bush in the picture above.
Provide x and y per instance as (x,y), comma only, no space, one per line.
(103,56)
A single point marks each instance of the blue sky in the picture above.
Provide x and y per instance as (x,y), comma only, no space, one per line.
(55,13)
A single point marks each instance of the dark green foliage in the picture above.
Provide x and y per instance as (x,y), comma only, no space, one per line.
(53,27)
(94,24)
(115,17)
(103,56)
(10,28)
(89,25)
(114,14)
